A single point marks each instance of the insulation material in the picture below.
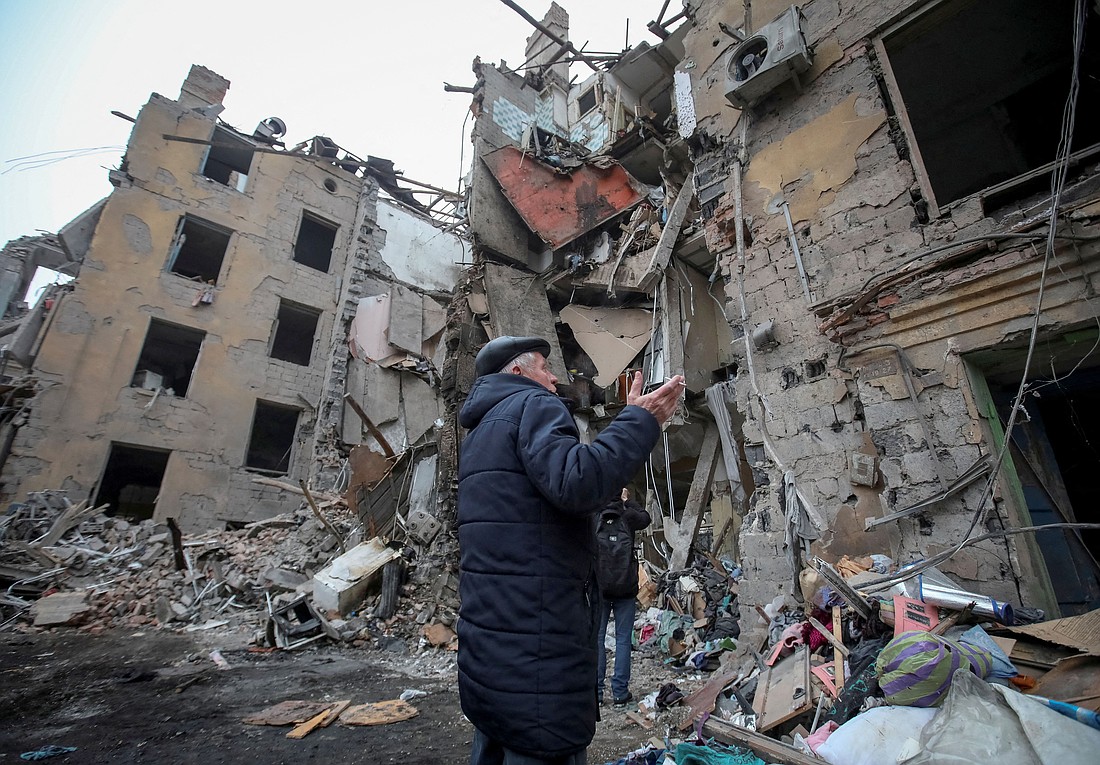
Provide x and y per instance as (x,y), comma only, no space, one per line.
(611,337)
(820,156)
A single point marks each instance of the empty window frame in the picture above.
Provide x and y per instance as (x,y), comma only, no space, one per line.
(316,238)
(980,87)
(131,480)
(168,358)
(199,249)
(272,439)
(295,330)
(586,102)
(229,159)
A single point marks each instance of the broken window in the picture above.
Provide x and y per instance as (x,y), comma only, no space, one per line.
(199,249)
(586,102)
(168,358)
(272,440)
(316,238)
(981,87)
(131,480)
(229,159)
(295,329)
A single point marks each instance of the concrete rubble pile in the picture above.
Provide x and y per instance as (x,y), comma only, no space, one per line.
(903,657)
(65,564)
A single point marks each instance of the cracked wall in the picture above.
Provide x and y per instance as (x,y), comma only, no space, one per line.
(87,360)
(832,151)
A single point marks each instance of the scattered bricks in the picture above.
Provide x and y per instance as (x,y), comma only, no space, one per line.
(179,611)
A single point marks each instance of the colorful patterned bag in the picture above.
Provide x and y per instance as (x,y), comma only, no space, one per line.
(915,668)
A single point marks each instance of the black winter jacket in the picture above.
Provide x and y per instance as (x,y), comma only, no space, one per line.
(527,621)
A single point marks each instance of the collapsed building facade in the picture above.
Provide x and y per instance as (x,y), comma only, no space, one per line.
(234,299)
(839,222)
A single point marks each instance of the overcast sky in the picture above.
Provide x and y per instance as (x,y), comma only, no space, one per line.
(367,74)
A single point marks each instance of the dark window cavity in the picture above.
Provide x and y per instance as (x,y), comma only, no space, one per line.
(168,358)
(229,159)
(587,101)
(316,238)
(295,329)
(272,440)
(199,249)
(984,84)
(131,481)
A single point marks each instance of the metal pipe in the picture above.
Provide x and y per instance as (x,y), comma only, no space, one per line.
(797,253)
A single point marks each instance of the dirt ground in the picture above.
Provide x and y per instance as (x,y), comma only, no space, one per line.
(123,697)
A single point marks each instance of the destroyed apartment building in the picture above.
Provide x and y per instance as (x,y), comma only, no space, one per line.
(838,221)
(882,307)
(245,315)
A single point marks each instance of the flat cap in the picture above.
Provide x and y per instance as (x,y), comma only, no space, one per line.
(499,351)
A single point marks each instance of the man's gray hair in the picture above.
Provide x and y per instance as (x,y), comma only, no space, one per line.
(525,361)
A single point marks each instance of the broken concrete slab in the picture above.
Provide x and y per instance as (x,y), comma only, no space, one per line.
(561,207)
(341,586)
(611,337)
(60,608)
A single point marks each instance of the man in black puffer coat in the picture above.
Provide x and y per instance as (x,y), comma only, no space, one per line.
(527,491)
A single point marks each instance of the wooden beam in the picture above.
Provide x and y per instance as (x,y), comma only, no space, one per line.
(374,431)
(768,749)
(683,533)
(670,233)
(836,644)
(838,659)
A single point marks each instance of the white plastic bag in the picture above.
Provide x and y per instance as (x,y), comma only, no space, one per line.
(994,724)
(878,736)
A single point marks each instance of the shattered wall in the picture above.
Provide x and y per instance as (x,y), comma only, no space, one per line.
(875,331)
(832,386)
(304,240)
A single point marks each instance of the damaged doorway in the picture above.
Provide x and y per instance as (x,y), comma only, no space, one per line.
(1055,450)
(131,481)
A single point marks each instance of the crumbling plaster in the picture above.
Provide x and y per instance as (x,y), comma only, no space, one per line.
(827,151)
(87,361)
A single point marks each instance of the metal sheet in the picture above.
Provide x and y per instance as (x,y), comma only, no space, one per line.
(561,207)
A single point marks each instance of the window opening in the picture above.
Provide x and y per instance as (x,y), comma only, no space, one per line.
(131,481)
(229,159)
(316,238)
(295,330)
(199,249)
(272,439)
(983,85)
(168,358)
(587,101)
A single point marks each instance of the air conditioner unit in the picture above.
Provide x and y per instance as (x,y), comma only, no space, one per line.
(767,59)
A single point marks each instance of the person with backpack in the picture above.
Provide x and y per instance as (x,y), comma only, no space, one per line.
(617,576)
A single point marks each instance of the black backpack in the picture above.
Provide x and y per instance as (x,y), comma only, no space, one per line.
(616,566)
